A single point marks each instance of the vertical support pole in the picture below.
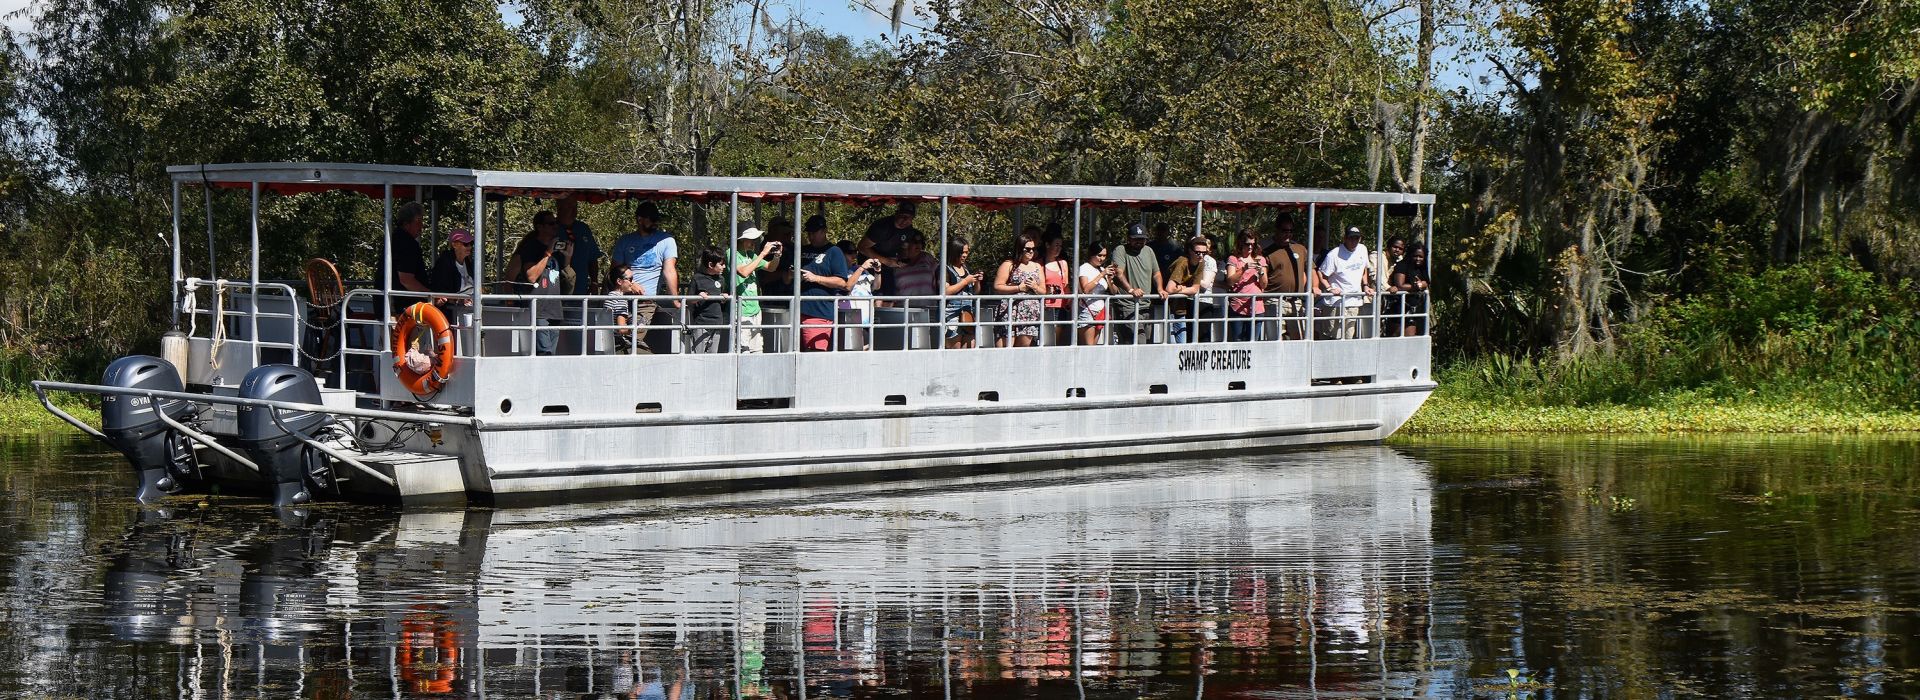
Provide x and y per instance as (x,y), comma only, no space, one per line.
(433,223)
(939,312)
(253,272)
(1379,253)
(1426,295)
(733,273)
(799,243)
(1313,274)
(1073,280)
(386,265)
(1199,210)
(500,236)
(479,269)
(175,287)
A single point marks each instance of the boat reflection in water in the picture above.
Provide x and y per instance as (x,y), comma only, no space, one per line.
(1306,573)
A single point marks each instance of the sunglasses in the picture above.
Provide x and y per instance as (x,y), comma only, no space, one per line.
(1026,249)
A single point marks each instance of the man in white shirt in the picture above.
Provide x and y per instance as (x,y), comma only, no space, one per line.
(1343,272)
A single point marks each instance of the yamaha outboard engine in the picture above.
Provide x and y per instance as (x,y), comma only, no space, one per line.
(132,424)
(285,461)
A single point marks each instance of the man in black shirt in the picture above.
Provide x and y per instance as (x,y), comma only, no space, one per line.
(884,239)
(409,261)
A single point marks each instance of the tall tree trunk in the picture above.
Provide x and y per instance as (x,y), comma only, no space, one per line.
(1417,164)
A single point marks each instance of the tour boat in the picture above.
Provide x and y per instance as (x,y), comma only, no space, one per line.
(316,388)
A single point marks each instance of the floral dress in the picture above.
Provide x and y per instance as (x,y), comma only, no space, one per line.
(1025,313)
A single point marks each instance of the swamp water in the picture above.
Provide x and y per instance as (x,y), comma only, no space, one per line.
(1500,567)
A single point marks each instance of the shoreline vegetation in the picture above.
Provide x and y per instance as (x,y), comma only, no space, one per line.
(1447,413)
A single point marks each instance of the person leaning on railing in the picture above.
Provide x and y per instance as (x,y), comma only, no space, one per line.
(1410,279)
(1192,279)
(1138,282)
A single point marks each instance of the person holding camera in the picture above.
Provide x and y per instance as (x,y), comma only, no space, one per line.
(747,266)
(961,282)
(541,268)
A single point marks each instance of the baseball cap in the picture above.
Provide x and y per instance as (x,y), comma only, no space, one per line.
(1353,232)
(906,208)
(460,235)
(749,232)
(1136,231)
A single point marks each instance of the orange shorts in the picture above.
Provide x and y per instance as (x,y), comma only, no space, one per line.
(816,334)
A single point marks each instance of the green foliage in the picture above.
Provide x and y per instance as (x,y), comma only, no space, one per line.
(1824,333)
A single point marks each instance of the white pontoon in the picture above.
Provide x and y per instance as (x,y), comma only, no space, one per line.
(236,400)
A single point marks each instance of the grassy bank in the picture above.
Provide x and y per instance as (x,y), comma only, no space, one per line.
(21,414)
(1448,413)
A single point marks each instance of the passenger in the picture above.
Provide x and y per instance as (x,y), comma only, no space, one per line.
(1289,271)
(708,316)
(1020,274)
(917,274)
(409,261)
(1058,269)
(1165,250)
(747,266)
(1380,267)
(823,274)
(1410,278)
(1282,235)
(1343,278)
(887,238)
(583,249)
(1095,274)
(1192,278)
(539,268)
(1246,277)
(623,310)
(961,282)
(776,281)
(858,306)
(453,269)
(1138,278)
(653,255)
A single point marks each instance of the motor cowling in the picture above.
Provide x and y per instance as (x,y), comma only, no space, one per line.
(132,423)
(285,461)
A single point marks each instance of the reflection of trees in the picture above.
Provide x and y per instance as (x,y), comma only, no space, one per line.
(1749,563)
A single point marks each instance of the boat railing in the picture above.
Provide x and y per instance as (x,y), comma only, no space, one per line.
(510,323)
(269,314)
(910,322)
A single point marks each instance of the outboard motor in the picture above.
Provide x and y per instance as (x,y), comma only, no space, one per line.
(133,426)
(285,461)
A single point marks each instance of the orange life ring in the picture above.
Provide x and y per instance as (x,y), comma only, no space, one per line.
(423,383)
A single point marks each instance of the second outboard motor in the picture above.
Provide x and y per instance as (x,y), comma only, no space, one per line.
(285,461)
(132,424)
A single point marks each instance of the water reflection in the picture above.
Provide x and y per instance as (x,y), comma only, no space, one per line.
(1590,568)
(1136,580)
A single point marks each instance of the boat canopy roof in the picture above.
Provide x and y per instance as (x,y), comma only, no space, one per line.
(372,180)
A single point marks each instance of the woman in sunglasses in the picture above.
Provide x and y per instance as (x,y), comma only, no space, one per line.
(1021,274)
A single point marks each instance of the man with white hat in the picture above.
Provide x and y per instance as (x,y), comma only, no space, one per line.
(1343,276)
(746,285)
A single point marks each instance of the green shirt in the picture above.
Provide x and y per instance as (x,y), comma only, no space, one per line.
(1137,269)
(747,287)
